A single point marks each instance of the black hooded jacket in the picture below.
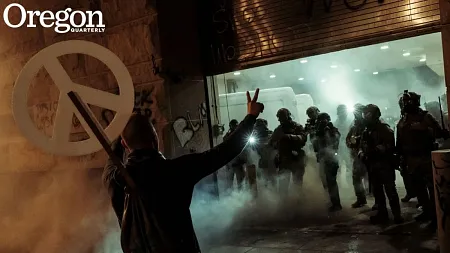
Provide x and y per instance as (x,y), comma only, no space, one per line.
(165,188)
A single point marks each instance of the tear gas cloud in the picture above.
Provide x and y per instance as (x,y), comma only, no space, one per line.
(50,212)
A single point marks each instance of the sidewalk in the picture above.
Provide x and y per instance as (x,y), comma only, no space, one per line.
(352,236)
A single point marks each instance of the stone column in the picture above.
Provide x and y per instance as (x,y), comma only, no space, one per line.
(441,176)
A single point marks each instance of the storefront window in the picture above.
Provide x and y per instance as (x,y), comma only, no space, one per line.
(376,74)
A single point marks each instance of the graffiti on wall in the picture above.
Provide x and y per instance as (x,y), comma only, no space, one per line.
(44,116)
(243,34)
(185,127)
(143,102)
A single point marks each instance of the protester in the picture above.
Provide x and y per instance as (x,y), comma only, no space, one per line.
(162,222)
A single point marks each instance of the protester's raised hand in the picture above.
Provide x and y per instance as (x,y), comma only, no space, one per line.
(253,106)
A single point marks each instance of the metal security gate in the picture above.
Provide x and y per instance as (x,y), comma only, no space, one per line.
(246,33)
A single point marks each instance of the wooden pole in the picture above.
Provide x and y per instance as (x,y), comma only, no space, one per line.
(97,129)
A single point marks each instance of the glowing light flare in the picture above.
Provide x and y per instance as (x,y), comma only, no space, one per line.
(272,76)
(338,90)
(251,140)
(350,108)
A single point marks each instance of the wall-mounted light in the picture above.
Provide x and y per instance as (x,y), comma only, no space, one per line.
(236,73)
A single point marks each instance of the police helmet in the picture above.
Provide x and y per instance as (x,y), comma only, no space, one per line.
(373,109)
(261,123)
(312,110)
(358,108)
(323,116)
(411,99)
(283,112)
(233,123)
(341,109)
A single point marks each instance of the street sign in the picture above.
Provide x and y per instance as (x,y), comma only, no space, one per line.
(59,143)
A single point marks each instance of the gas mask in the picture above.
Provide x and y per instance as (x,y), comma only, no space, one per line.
(322,124)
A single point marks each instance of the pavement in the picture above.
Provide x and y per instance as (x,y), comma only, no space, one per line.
(304,226)
(347,233)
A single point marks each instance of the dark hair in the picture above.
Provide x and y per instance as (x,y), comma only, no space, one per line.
(139,132)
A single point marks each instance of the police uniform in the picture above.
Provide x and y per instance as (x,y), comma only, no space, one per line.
(326,144)
(416,138)
(378,145)
(359,170)
(288,139)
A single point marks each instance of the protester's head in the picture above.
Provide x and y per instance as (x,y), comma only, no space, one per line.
(139,133)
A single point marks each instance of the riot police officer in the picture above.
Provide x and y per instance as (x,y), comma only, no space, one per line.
(266,152)
(359,171)
(288,139)
(343,123)
(326,144)
(417,132)
(377,151)
(312,113)
(236,166)
(404,172)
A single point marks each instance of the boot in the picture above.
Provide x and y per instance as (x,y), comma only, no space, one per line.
(380,218)
(399,220)
(424,216)
(359,203)
(432,226)
(407,198)
(335,208)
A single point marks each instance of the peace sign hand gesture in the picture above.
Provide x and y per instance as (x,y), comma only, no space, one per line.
(253,106)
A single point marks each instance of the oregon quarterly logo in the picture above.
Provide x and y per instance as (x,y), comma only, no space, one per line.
(63,21)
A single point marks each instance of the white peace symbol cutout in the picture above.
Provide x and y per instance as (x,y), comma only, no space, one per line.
(59,143)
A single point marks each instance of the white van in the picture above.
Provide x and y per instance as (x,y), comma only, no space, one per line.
(234,105)
(304,101)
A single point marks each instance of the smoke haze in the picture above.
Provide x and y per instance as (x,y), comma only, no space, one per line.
(67,211)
